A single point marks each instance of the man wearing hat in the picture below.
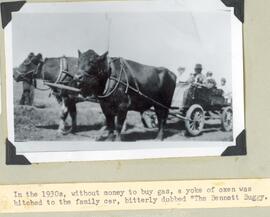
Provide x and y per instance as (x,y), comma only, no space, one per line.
(199,77)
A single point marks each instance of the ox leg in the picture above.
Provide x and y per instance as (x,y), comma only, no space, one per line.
(162,117)
(73,114)
(107,131)
(22,99)
(28,98)
(25,99)
(110,127)
(31,95)
(27,94)
(121,117)
(63,117)
(124,127)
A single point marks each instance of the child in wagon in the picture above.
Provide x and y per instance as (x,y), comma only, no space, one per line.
(210,82)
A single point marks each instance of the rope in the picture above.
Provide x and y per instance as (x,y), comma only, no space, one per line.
(114,88)
(143,95)
(128,86)
(24,74)
(124,62)
(68,74)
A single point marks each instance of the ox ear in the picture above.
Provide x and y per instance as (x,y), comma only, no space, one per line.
(104,56)
(31,55)
(79,53)
(36,59)
(39,56)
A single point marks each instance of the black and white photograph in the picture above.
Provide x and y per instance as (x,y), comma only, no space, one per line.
(108,80)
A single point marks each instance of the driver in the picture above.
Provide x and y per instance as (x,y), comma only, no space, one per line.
(199,77)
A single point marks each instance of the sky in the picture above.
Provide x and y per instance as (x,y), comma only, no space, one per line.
(169,39)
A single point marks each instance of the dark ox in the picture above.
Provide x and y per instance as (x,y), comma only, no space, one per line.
(51,70)
(118,84)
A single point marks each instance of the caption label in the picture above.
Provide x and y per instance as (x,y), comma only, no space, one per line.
(134,195)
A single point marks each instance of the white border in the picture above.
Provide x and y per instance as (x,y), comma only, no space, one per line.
(124,150)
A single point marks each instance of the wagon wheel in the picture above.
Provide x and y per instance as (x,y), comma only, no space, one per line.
(194,121)
(227,119)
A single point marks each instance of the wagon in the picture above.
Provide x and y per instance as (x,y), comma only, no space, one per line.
(192,103)
(195,104)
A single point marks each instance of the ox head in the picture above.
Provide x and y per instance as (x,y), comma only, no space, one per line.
(92,72)
(27,68)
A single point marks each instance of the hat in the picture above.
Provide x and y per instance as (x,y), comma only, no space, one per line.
(198,66)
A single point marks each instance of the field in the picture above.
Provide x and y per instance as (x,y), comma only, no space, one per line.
(40,123)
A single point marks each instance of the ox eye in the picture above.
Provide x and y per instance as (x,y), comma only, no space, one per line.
(26,63)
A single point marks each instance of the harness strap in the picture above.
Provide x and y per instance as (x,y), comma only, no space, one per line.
(24,74)
(63,67)
(118,81)
(127,80)
(130,70)
(143,95)
(67,74)
(110,62)
(128,86)
(107,85)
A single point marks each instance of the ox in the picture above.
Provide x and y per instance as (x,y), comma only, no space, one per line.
(54,70)
(123,85)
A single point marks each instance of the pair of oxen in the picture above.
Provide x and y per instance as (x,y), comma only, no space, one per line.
(119,85)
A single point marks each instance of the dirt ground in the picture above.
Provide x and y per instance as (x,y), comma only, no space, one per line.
(40,123)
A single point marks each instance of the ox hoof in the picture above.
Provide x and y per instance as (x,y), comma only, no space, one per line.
(73,130)
(100,138)
(60,132)
(63,132)
(110,138)
(118,139)
(159,138)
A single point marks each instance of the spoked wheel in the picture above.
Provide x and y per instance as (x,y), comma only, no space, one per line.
(227,119)
(194,120)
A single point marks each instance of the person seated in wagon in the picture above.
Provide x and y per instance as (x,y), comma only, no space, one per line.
(210,82)
(194,77)
(199,78)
